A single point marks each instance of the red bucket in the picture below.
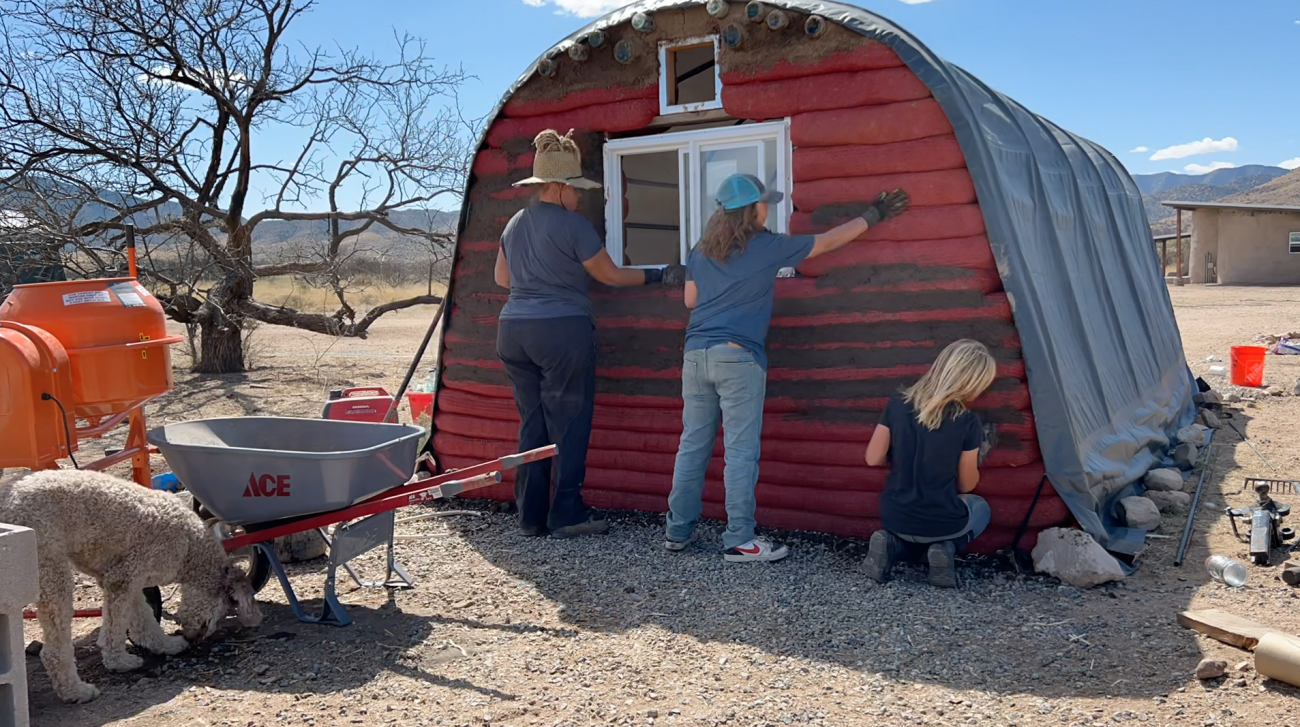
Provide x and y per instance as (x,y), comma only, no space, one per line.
(421,402)
(1248,365)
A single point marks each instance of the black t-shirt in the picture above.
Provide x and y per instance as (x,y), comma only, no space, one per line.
(920,497)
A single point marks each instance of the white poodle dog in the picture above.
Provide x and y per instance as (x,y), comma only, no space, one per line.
(128,538)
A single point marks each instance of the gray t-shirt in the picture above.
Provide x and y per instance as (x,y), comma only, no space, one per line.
(545,246)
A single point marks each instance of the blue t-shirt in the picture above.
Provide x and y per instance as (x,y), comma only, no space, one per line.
(734,299)
(545,246)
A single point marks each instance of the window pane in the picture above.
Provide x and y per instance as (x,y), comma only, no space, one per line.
(651,209)
(716,164)
(693,75)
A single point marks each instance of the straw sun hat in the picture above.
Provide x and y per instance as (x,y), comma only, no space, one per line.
(558,161)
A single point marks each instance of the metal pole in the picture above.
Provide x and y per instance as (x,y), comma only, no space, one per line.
(130,249)
(391,416)
(1178,252)
(1196,502)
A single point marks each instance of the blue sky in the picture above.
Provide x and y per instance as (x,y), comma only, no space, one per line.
(1195,83)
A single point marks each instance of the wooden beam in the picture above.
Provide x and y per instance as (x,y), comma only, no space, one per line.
(1164,258)
(1234,630)
(1178,251)
(692,117)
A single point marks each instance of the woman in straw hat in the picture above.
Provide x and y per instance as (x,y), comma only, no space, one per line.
(547,334)
(732,281)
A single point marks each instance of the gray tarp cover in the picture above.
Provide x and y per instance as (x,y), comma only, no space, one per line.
(1105,361)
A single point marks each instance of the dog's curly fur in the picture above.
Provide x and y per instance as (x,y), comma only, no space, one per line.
(128,538)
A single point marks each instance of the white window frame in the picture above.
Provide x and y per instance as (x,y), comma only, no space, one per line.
(689,144)
(664,81)
(1293,243)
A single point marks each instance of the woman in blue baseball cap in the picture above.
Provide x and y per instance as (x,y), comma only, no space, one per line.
(731,280)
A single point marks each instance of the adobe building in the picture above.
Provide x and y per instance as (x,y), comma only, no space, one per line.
(1022,235)
(1243,244)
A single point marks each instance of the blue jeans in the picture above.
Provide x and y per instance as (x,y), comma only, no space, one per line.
(980,515)
(720,380)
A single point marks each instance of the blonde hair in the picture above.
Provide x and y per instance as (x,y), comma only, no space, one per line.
(963,371)
(729,231)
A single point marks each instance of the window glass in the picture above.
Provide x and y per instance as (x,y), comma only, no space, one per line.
(651,209)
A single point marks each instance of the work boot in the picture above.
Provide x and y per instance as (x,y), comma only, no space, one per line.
(533,531)
(883,555)
(591,527)
(943,564)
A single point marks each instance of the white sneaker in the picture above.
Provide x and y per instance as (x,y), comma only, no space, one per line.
(675,546)
(758,549)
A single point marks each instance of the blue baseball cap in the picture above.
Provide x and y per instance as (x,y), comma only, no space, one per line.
(741,190)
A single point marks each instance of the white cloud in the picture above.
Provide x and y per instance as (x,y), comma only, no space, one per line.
(580,8)
(1207,168)
(1204,146)
(1140,150)
(1291,163)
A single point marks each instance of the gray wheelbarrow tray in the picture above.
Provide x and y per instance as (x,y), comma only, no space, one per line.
(249,470)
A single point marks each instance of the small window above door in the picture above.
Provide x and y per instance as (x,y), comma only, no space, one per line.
(688,76)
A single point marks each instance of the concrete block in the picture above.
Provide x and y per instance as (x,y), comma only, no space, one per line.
(18,587)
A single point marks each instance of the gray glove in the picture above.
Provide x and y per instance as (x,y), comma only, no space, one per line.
(674,276)
(990,441)
(890,204)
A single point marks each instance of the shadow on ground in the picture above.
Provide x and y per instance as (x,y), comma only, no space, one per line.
(321,661)
(1002,632)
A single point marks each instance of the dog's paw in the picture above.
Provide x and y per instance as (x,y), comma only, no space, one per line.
(78,693)
(122,662)
(171,645)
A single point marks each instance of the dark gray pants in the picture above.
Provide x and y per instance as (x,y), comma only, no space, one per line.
(552,366)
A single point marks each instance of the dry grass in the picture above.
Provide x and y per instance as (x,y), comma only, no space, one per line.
(291,292)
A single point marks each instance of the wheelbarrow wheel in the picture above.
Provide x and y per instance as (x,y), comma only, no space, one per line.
(253,560)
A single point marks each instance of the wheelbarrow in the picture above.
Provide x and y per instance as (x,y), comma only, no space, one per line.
(256,479)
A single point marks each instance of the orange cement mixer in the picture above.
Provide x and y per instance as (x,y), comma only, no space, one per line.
(92,351)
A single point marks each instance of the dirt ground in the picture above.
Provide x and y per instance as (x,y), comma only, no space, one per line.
(510,631)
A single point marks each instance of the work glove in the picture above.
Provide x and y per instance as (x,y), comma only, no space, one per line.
(890,204)
(990,441)
(675,276)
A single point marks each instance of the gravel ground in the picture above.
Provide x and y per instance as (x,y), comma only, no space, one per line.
(613,630)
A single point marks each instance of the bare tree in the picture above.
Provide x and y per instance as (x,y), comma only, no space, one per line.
(157,113)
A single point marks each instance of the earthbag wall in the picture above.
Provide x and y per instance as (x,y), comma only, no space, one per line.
(1103,355)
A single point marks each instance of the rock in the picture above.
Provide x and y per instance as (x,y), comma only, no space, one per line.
(1276,391)
(1185,456)
(1139,512)
(1212,397)
(1296,389)
(1234,399)
(1211,668)
(1240,683)
(1243,666)
(34,648)
(300,547)
(1192,435)
(1210,419)
(1169,501)
(1074,557)
(1164,480)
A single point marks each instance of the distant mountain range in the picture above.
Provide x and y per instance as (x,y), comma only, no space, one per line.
(270,237)
(1221,184)
(1153,183)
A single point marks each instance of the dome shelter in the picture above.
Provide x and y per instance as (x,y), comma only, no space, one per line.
(1022,235)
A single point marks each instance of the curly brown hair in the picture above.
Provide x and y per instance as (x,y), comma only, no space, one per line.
(729,231)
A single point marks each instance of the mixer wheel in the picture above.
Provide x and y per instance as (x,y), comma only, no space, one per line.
(153,595)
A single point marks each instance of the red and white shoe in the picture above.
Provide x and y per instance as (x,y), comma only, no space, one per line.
(758,549)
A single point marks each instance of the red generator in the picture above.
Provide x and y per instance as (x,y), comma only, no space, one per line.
(361,404)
